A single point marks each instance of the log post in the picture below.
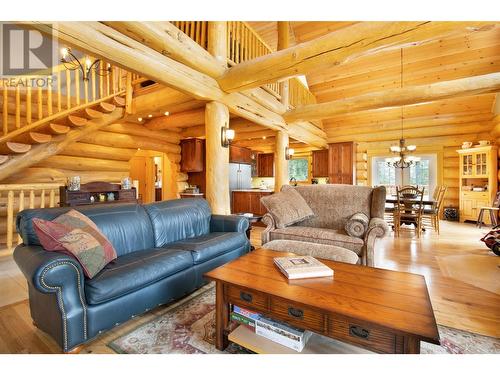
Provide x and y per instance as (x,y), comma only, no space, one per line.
(217,46)
(281,164)
(284,43)
(216,117)
(217,158)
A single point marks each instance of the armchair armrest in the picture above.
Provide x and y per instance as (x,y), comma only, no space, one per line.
(228,223)
(270,225)
(377,228)
(59,274)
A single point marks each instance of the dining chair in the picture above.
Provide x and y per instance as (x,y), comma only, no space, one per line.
(493,211)
(432,213)
(409,208)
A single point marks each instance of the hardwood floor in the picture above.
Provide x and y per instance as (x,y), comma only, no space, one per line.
(456,303)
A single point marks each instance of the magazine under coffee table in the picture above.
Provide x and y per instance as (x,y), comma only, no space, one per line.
(380,310)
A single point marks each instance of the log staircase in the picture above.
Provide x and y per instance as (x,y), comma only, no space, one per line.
(61,120)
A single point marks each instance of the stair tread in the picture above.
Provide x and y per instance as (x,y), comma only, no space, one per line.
(14,148)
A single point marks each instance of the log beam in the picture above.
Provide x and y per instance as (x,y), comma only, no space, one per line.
(476,85)
(284,43)
(109,139)
(167,39)
(362,38)
(140,130)
(178,120)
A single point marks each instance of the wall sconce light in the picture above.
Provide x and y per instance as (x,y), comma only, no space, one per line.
(289,153)
(227,136)
(71,62)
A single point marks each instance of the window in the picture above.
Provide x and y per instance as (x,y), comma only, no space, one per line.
(298,169)
(423,174)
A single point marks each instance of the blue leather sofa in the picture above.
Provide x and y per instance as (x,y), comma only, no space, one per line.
(163,251)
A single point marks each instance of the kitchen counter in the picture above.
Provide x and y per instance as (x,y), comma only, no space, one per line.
(255,190)
(192,194)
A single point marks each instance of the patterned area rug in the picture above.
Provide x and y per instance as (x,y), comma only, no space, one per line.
(188,326)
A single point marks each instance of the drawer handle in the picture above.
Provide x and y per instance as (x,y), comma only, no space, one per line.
(296,313)
(247,297)
(357,331)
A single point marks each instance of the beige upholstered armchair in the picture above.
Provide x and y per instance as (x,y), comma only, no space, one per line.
(333,205)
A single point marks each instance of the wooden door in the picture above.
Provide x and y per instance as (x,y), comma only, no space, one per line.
(341,163)
(320,163)
(192,155)
(240,155)
(266,165)
(346,163)
(240,202)
(142,169)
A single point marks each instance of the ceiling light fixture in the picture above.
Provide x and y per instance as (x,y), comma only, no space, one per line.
(401,150)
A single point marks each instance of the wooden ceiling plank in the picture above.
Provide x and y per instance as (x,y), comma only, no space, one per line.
(488,83)
(333,48)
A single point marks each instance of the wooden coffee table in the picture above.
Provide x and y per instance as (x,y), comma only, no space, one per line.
(380,310)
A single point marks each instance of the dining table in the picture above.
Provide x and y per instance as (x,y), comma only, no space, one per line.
(426,201)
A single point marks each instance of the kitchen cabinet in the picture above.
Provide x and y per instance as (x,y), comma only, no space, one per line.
(478,168)
(248,202)
(241,155)
(265,165)
(320,163)
(192,155)
(341,163)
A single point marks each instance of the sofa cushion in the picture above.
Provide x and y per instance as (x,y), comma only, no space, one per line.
(127,226)
(319,235)
(287,207)
(335,253)
(75,234)
(134,271)
(357,225)
(211,245)
(178,219)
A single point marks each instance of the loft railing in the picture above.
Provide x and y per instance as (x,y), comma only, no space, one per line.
(244,44)
(15,198)
(24,105)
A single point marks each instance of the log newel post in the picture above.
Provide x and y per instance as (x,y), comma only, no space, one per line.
(280,162)
(216,117)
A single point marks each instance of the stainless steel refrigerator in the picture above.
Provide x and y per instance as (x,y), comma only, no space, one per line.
(240,176)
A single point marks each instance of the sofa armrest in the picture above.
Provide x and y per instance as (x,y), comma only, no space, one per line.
(377,228)
(60,274)
(270,225)
(228,223)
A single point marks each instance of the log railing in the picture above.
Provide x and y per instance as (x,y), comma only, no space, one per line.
(15,198)
(299,94)
(25,105)
(243,44)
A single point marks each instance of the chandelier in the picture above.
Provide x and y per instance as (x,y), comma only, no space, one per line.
(402,159)
(71,62)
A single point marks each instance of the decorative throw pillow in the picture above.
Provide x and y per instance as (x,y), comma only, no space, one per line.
(287,207)
(357,225)
(75,234)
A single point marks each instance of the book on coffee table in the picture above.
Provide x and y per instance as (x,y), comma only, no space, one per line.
(302,267)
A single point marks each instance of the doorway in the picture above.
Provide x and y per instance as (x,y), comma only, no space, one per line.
(151,171)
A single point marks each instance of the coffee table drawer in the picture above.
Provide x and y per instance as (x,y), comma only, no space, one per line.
(245,297)
(372,338)
(303,317)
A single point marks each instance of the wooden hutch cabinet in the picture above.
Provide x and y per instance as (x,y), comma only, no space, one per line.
(478,170)
(320,163)
(341,163)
